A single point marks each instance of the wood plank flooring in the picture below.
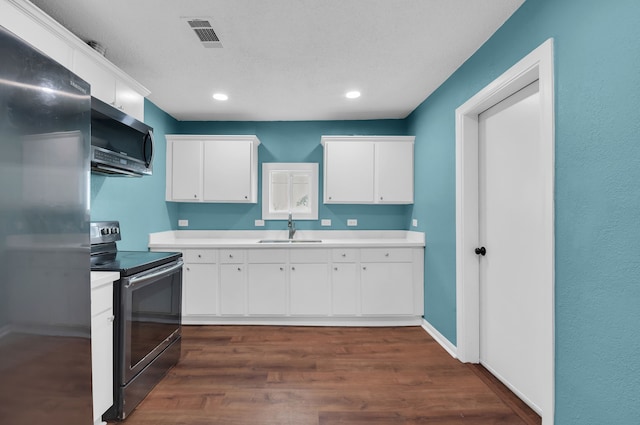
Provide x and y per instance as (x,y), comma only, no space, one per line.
(268,375)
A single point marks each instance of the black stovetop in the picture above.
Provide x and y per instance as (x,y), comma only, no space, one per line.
(131,262)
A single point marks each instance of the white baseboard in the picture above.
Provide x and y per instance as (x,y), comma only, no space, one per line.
(440,339)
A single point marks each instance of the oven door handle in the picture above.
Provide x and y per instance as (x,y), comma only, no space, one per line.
(153,274)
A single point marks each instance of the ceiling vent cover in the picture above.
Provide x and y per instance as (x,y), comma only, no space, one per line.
(205,33)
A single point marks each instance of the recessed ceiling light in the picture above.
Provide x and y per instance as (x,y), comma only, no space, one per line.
(220,96)
(353,94)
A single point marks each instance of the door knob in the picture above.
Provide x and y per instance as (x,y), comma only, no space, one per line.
(481,251)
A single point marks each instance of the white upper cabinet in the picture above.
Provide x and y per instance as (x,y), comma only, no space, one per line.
(394,172)
(348,172)
(230,168)
(108,83)
(185,182)
(206,168)
(368,169)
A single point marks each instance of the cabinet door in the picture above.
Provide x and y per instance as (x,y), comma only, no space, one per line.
(348,172)
(227,171)
(200,289)
(129,100)
(266,289)
(102,362)
(186,169)
(394,172)
(387,288)
(232,289)
(309,285)
(345,297)
(103,82)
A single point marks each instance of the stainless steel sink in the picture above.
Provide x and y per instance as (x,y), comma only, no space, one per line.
(289,241)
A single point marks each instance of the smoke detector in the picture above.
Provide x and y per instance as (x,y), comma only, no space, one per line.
(204,31)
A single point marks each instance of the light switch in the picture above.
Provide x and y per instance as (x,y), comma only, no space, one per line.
(183,223)
(259,223)
(352,222)
(414,222)
(325,222)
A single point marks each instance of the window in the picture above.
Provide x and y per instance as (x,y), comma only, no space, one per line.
(289,187)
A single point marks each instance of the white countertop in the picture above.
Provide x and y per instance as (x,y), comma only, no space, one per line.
(102,278)
(250,239)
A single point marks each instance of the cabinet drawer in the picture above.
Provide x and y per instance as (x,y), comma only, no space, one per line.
(231,256)
(101,299)
(349,255)
(200,256)
(267,256)
(304,255)
(381,255)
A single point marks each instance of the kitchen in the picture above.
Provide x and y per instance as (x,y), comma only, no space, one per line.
(596,192)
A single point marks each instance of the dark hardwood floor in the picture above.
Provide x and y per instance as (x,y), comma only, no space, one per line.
(266,375)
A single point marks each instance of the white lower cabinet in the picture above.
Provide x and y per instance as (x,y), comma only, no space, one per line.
(345,298)
(386,277)
(307,285)
(200,289)
(199,283)
(102,348)
(387,288)
(233,291)
(345,282)
(310,290)
(233,282)
(309,282)
(267,289)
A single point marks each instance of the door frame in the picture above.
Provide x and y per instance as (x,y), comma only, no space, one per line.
(537,65)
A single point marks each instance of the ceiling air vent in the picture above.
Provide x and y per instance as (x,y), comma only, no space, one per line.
(204,32)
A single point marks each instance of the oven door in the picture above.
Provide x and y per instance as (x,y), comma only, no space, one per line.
(151,304)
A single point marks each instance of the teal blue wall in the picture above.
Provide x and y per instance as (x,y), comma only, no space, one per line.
(138,203)
(298,141)
(597,58)
(597,211)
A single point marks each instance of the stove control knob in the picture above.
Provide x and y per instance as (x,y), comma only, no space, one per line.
(114,230)
(104,231)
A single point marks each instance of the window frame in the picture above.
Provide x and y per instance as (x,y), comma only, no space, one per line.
(291,167)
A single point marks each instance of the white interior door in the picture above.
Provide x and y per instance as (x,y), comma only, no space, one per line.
(513,308)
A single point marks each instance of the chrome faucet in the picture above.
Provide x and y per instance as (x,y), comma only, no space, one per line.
(291,225)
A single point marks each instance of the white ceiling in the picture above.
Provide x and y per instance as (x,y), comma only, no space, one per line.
(287,60)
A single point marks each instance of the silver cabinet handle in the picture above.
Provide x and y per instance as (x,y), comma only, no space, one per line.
(111,318)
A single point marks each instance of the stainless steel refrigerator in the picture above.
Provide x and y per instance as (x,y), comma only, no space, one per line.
(45,319)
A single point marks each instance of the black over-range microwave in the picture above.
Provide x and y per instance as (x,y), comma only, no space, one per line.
(120,144)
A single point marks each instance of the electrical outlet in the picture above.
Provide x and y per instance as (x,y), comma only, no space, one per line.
(259,223)
(352,222)
(183,223)
(414,222)
(325,222)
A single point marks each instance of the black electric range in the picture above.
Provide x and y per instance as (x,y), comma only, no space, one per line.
(105,256)
(147,304)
